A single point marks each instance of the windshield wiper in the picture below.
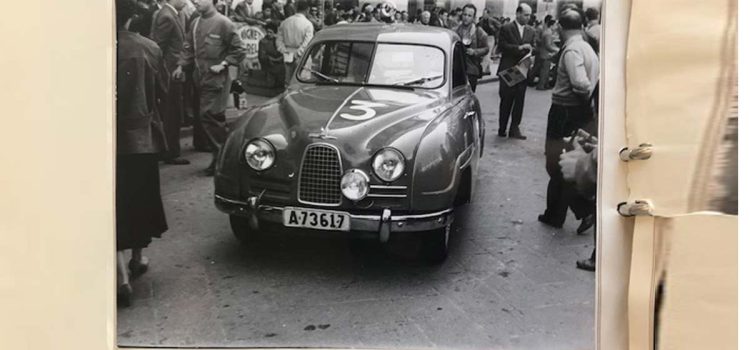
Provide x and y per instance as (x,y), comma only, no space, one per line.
(420,81)
(321,75)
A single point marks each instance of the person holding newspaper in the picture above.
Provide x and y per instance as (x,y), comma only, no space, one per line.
(515,43)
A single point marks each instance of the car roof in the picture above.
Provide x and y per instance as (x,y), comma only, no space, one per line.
(396,33)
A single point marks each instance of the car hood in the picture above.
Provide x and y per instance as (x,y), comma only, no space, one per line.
(354,118)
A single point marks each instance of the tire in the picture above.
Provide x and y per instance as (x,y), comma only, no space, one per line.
(435,245)
(481,149)
(463,195)
(241,229)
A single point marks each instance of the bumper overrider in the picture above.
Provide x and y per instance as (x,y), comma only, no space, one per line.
(384,224)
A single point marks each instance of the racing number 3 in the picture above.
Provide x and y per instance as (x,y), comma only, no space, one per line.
(366,107)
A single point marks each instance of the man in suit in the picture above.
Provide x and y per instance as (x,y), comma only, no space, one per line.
(191,104)
(168,31)
(441,20)
(515,41)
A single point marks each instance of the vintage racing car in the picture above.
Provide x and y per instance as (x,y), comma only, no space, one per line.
(378,134)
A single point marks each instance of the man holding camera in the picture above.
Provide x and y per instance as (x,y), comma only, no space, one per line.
(475,41)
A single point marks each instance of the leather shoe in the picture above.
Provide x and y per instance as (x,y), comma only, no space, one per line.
(586,264)
(543,219)
(586,223)
(138,268)
(501,133)
(124,293)
(177,161)
(517,135)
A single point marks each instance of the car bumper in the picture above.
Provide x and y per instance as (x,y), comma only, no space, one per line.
(384,223)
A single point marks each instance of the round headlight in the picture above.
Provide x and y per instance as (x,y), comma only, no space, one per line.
(259,154)
(388,164)
(355,184)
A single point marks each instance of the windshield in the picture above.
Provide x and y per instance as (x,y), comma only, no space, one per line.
(363,63)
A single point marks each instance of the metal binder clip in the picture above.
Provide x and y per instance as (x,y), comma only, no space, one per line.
(642,152)
(641,207)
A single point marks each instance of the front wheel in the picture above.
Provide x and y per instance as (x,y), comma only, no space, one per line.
(435,245)
(241,229)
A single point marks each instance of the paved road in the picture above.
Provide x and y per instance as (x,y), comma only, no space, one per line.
(510,282)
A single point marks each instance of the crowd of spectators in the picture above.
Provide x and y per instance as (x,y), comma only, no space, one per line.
(274,12)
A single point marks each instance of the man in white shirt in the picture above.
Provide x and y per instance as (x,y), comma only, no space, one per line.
(514,40)
(294,35)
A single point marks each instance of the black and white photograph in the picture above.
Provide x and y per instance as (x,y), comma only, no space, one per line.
(357,173)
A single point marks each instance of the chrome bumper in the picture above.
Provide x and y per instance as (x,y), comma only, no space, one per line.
(384,224)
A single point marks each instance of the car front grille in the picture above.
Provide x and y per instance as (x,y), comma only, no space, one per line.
(320,176)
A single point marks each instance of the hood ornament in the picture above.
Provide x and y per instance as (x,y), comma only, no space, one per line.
(323,134)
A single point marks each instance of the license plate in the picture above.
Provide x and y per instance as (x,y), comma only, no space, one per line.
(316,219)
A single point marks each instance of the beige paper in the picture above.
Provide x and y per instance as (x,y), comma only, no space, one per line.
(614,231)
(642,280)
(679,83)
(695,258)
(679,77)
(700,299)
(57,273)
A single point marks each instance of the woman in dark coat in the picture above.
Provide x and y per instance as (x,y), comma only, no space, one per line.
(141,81)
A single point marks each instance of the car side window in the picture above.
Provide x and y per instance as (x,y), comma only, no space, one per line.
(459,66)
(344,61)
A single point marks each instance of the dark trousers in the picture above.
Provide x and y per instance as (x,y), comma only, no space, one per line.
(544,70)
(289,71)
(534,72)
(562,121)
(192,112)
(473,82)
(276,74)
(172,116)
(213,102)
(511,102)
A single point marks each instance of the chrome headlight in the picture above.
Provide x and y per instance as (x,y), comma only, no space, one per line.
(388,164)
(355,184)
(259,154)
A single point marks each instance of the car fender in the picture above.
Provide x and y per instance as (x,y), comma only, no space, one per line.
(436,166)
(229,160)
